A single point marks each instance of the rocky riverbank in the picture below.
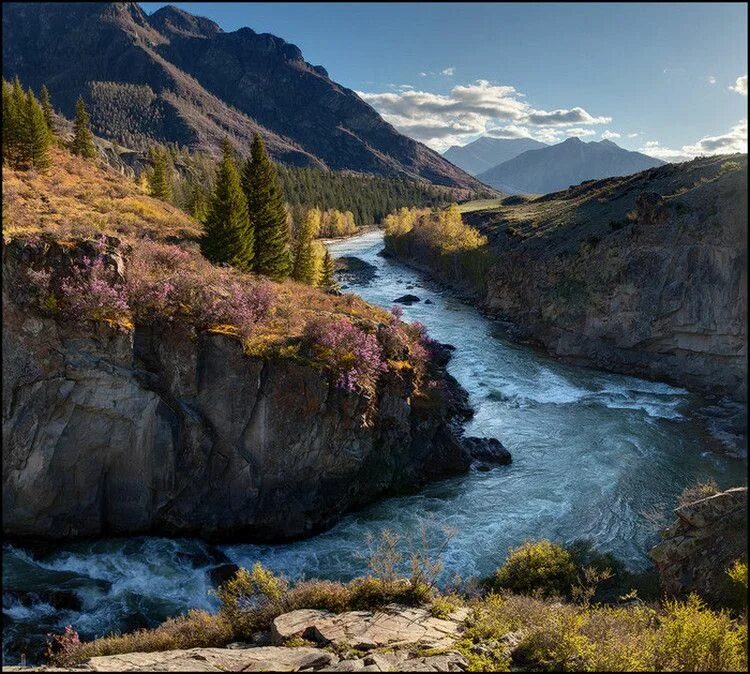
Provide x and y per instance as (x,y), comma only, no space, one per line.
(645,275)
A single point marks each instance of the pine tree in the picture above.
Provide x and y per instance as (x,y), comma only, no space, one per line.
(265,201)
(17,148)
(327,279)
(228,235)
(47,108)
(83,139)
(36,134)
(304,269)
(160,178)
(11,124)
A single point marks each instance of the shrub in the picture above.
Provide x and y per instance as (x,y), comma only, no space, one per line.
(91,293)
(692,638)
(196,629)
(352,356)
(737,573)
(728,166)
(537,567)
(697,492)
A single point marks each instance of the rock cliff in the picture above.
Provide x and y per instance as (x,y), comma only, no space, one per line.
(153,429)
(698,549)
(645,275)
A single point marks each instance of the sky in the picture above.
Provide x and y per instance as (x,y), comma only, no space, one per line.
(668,79)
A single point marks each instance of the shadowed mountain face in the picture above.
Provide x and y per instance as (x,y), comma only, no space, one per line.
(174,77)
(569,163)
(486,153)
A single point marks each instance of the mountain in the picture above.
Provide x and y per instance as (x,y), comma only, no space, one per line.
(485,153)
(175,77)
(556,167)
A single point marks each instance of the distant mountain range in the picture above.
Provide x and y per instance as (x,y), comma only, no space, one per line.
(486,153)
(175,77)
(557,167)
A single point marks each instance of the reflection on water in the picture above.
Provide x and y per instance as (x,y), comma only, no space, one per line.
(591,452)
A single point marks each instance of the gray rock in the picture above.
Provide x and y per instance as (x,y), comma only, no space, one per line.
(487,450)
(407,299)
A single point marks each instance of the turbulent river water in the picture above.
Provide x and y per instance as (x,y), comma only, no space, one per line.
(592,452)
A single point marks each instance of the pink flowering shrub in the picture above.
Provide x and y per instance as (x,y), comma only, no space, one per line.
(163,282)
(90,293)
(61,648)
(405,342)
(353,356)
(167,281)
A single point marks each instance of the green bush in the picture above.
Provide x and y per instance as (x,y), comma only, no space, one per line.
(692,638)
(537,567)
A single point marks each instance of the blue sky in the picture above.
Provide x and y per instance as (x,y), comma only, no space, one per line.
(660,77)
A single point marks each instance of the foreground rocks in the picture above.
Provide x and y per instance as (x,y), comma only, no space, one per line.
(391,640)
(698,549)
(158,430)
(392,627)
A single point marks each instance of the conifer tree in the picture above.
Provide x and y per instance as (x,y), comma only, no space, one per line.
(10,124)
(36,134)
(304,268)
(17,148)
(265,201)
(327,279)
(47,108)
(83,139)
(160,178)
(228,235)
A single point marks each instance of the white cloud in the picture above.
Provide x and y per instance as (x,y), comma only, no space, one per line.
(423,74)
(711,79)
(448,71)
(633,135)
(472,109)
(609,135)
(740,85)
(735,140)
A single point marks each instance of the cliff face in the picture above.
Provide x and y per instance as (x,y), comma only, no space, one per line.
(698,549)
(154,429)
(645,275)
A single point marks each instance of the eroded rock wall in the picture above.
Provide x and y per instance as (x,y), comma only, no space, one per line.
(158,430)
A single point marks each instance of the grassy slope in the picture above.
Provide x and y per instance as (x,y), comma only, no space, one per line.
(590,207)
(79,198)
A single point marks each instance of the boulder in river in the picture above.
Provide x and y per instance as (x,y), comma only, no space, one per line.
(407,299)
(487,450)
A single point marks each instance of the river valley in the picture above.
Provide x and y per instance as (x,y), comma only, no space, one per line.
(593,452)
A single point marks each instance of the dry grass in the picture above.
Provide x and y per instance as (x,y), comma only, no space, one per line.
(82,198)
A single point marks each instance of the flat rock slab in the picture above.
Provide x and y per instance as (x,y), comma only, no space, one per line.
(392,626)
(262,659)
(402,661)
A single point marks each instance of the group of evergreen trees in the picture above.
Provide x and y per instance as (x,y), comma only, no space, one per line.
(29,131)
(246,223)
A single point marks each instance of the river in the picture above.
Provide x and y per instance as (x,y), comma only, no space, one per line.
(592,452)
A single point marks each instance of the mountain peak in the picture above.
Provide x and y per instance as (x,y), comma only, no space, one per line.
(573,140)
(608,143)
(171,20)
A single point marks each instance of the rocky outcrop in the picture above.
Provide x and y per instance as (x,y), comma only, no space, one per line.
(393,627)
(645,275)
(645,284)
(697,550)
(154,429)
